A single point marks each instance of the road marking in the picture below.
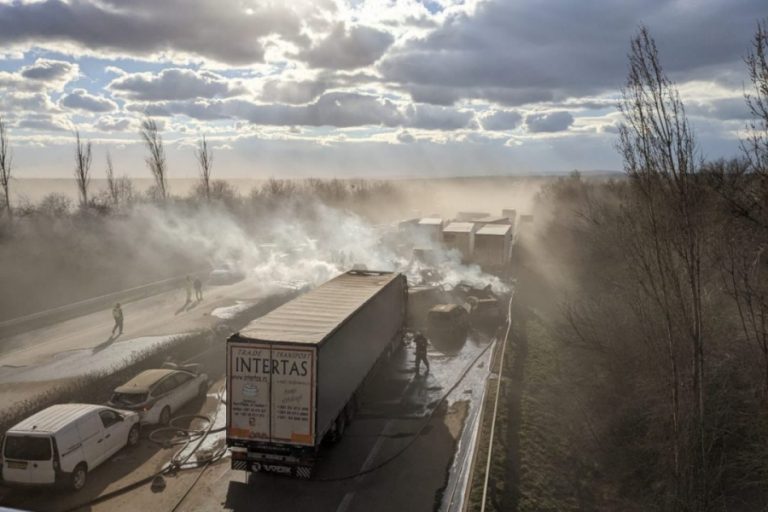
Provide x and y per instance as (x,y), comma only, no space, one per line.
(367,464)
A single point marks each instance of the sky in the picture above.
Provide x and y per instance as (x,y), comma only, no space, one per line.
(357,88)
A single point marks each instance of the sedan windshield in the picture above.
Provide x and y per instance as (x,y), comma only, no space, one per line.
(27,447)
(128,399)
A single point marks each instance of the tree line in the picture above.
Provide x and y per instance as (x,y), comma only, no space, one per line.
(664,329)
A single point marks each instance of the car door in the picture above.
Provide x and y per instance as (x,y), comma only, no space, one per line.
(92,437)
(114,431)
(164,395)
(187,387)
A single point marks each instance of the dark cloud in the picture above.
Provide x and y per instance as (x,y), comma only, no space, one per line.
(336,109)
(431,117)
(80,99)
(348,48)
(404,137)
(520,52)
(111,124)
(286,91)
(221,30)
(724,109)
(502,120)
(174,84)
(44,122)
(46,70)
(13,101)
(548,121)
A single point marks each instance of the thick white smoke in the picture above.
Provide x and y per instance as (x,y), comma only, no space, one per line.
(311,248)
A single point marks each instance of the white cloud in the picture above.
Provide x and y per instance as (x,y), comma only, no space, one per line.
(80,99)
(175,84)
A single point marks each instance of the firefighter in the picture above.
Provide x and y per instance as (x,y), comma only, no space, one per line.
(117,314)
(198,289)
(189,289)
(421,352)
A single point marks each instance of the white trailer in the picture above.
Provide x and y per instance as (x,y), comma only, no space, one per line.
(293,374)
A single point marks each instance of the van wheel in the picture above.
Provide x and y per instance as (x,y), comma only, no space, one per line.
(165,415)
(79,477)
(133,435)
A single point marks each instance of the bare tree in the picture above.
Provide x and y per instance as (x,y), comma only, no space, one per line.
(156,159)
(113,188)
(756,143)
(6,164)
(658,149)
(204,156)
(83,158)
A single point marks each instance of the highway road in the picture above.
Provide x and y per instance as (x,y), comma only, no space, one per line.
(396,406)
(35,361)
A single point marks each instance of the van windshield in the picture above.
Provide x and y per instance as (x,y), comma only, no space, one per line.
(27,447)
(128,399)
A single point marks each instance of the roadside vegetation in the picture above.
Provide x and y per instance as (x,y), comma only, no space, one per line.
(646,388)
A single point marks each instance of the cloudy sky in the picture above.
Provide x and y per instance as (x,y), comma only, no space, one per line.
(357,87)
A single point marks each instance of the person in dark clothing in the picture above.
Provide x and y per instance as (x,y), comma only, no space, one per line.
(117,314)
(188,284)
(421,351)
(198,289)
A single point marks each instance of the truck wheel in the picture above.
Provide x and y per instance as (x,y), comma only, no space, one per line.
(165,415)
(340,427)
(79,477)
(133,436)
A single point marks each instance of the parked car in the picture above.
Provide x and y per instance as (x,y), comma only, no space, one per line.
(156,394)
(62,443)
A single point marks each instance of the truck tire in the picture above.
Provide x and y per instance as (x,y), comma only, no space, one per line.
(78,477)
(339,426)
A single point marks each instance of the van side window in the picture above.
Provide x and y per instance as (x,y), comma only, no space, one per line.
(109,418)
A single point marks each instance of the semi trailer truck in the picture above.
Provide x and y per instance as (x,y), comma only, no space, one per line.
(293,375)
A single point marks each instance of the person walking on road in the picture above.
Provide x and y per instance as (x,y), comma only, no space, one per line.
(189,289)
(117,314)
(421,352)
(198,289)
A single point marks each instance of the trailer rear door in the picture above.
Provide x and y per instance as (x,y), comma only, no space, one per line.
(271,393)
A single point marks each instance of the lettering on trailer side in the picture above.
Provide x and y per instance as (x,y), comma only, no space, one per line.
(272,393)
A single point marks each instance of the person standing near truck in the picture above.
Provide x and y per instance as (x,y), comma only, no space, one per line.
(198,289)
(421,352)
(117,314)
(189,289)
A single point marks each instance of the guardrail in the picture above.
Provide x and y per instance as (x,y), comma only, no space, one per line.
(75,309)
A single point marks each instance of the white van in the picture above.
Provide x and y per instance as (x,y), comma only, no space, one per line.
(62,443)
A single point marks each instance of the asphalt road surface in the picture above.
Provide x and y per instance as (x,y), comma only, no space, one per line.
(396,406)
(33,362)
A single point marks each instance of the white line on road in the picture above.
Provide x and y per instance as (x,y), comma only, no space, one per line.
(347,500)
